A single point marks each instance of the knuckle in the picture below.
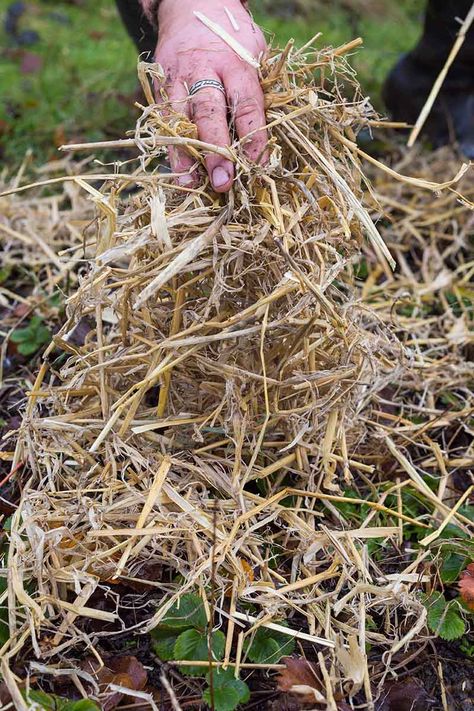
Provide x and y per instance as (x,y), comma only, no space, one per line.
(207,108)
(246,108)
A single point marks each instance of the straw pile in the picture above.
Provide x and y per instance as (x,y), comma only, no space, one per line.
(224,395)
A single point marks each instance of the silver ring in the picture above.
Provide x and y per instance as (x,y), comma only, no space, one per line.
(206,84)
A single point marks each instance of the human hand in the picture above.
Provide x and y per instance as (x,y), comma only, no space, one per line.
(188,51)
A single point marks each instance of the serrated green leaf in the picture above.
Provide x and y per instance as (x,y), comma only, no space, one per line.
(163,641)
(192,645)
(229,692)
(187,612)
(452,567)
(444,618)
(268,647)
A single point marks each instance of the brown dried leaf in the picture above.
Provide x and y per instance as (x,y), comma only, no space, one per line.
(300,678)
(466,586)
(404,695)
(123,671)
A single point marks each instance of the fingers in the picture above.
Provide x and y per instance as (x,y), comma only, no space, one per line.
(246,100)
(180,160)
(208,110)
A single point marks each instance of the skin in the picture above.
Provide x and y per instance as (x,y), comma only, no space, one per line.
(188,51)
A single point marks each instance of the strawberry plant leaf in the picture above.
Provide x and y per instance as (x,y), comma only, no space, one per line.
(31,338)
(44,701)
(192,645)
(268,647)
(444,618)
(451,567)
(82,705)
(229,692)
(163,641)
(187,612)
(27,348)
(51,702)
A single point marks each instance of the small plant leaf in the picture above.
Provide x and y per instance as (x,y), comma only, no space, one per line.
(229,692)
(192,645)
(444,618)
(41,699)
(268,647)
(163,641)
(31,338)
(27,348)
(187,612)
(51,702)
(451,567)
(82,705)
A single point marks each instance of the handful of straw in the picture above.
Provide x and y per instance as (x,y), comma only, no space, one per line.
(215,399)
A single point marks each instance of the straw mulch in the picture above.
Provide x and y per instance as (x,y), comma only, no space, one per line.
(236,379)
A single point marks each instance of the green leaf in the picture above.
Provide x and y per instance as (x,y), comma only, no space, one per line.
(82,705)
(361,270)
(187,612)
(20,334)
(41,699)
(5,273)
(444,618)
(27,347)
(51,702)
(192,645)
(468,511)
(229,692)
(452,567)
(163,641)
(32,337)
(268,647)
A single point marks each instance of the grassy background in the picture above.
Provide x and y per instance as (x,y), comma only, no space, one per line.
(84,86)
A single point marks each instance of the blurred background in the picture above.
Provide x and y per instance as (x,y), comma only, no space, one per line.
(67,69)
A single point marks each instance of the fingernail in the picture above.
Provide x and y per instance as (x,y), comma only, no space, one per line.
(185,180)
(219,177)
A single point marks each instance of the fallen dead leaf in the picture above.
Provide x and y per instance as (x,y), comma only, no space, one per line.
(123,671)
(301,679)
(405,695)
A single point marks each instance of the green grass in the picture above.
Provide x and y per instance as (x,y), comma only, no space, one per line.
(83,90)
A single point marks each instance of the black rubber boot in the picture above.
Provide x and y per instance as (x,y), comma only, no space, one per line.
(410,81)
(138,27)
